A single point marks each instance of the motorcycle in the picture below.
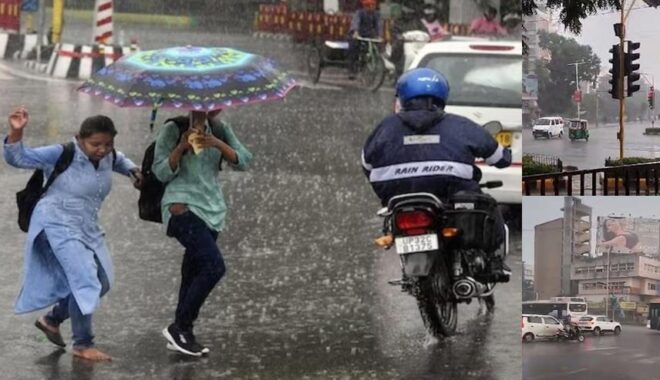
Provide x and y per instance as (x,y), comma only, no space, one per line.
(573,333)
(413,42)
(442,247)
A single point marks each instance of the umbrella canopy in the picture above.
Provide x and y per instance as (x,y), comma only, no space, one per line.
(189,78)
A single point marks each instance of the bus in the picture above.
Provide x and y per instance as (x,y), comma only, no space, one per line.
(654,316)
(574,306)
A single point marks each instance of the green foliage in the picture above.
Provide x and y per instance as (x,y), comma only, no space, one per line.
(630,161)
(572,11)
(531,167)
(557,77)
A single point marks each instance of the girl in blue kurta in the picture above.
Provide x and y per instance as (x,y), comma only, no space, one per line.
(66,260)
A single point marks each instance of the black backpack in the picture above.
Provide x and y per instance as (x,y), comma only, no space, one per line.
(153,189)
(27,198)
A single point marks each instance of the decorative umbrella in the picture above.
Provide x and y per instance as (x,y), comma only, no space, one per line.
(189,78)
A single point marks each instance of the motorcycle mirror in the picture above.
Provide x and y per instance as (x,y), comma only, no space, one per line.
(493,127)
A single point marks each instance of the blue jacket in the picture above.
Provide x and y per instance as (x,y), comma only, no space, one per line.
(428,151)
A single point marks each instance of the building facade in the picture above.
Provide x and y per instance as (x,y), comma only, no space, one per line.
(627,282)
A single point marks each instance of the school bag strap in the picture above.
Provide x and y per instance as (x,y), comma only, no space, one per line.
(63,163)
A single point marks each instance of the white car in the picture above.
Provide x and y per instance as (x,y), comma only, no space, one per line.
(485,85)
(548,127)
(599,324)
(539,326)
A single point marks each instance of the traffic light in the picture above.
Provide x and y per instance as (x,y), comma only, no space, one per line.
(630,67)
(614,72)
(651,97)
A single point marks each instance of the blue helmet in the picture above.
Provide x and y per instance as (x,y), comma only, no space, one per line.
(422,82)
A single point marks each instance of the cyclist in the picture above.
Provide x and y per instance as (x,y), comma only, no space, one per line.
(366,23)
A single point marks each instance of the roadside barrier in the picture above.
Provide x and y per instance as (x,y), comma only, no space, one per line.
(80,61)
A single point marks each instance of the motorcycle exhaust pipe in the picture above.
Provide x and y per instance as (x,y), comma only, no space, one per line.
(468,288)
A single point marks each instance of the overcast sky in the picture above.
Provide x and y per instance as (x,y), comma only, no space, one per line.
(643,26)
(537,210)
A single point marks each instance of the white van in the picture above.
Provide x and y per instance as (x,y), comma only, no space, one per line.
(548,127)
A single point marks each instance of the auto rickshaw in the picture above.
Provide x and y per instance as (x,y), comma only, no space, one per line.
(578,129)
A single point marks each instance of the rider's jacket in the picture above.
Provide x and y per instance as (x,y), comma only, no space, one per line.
(428,151)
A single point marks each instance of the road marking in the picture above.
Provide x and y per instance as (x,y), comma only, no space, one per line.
(558,375)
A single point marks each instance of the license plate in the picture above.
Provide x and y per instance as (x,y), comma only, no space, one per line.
(420,243)
(504,138)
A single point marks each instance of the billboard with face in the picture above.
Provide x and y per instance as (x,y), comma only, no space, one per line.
(628,235)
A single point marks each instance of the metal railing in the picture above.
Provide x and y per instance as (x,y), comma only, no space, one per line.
(638,179)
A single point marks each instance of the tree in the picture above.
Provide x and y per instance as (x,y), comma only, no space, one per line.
(557,77)
(572,11)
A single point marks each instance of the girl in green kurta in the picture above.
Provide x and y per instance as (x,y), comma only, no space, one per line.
(193,209)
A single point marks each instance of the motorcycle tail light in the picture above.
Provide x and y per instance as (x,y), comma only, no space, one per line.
(413,222)
(450,232)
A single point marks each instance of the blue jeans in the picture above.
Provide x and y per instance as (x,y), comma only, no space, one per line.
(201,269)
(81,325)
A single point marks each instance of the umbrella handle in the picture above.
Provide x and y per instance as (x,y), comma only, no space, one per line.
(154,111)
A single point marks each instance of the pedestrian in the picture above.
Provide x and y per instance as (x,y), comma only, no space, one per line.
(193,209)
(66,259)
(487,25)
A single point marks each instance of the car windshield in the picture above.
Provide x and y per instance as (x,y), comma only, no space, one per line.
(480,80)
(543,122)
(586,319)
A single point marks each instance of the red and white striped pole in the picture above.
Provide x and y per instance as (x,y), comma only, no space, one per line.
(103,22)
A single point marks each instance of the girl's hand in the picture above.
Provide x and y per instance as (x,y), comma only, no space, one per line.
(184,145)
(209,141)
(138,178)
(18,119)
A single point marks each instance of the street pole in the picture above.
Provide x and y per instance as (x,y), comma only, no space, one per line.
(621,81)
(596,103)
(607,282)
(42,25)
(577,85)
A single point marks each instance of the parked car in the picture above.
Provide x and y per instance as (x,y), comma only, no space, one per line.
(599,324)
(539,326)
(548,127)
(484,77)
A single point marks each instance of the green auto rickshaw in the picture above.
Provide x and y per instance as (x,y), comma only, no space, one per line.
(578,129)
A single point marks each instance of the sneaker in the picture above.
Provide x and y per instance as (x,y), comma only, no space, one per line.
(205,350)
(183,342)
(53,337)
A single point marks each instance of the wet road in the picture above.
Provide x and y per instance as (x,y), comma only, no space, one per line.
(601,145)
(633,355)
(305,296)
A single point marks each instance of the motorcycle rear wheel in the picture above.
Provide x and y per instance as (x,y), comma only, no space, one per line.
(435,302)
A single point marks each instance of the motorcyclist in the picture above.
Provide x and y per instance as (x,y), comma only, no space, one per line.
(398,152)
(487,25)
(432,22)
(366,23)
(409,20)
